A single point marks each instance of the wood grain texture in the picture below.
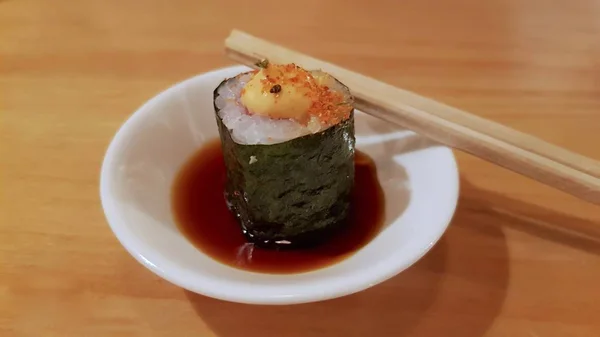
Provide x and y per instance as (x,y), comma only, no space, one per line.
(520,258)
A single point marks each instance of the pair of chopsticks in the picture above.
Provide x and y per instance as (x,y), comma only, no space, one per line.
(522,153)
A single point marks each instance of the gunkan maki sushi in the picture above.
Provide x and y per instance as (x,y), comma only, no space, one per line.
(287,136)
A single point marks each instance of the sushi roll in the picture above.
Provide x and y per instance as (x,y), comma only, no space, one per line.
(287,136)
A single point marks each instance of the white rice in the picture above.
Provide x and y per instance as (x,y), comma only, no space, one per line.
(252,129)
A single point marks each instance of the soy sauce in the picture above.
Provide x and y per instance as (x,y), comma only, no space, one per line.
(202,215)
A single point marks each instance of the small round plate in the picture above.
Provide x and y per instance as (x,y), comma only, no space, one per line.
(419,178)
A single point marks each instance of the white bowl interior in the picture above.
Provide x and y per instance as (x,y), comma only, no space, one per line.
(419,179)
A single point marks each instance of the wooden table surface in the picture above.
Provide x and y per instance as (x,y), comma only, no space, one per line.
(519,259)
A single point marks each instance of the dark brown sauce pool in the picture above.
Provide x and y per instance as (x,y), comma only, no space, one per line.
(202,215)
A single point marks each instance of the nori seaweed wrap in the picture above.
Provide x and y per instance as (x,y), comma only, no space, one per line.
(289,177)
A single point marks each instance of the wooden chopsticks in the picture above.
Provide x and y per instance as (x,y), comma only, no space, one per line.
(514,150)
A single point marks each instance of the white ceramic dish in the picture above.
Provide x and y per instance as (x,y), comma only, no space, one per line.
(420,182)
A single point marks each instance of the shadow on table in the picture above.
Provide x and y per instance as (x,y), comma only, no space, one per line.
(547,224)
(457,289)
